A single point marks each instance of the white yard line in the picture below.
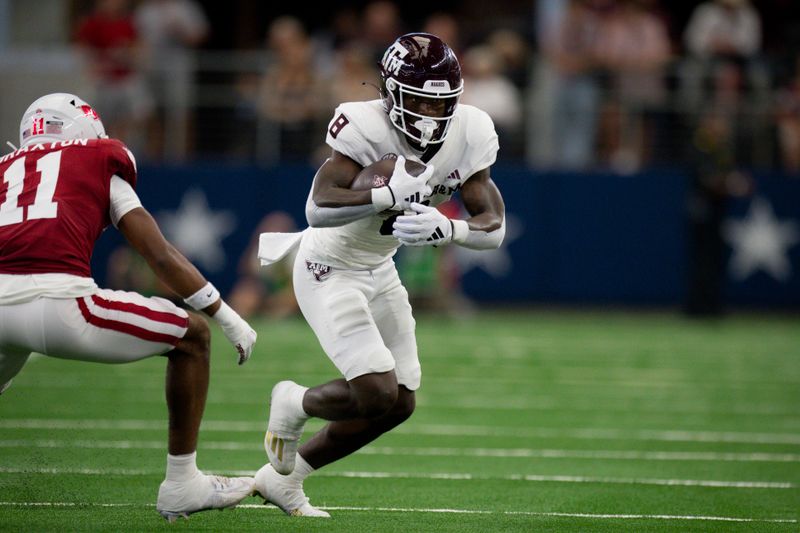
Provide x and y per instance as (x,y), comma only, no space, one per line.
(574,479)
(450,476)
(634,455)
(666,435)
(620,455)
(445,511)
(566,515)
(602,401)
(436,475)
(519,453)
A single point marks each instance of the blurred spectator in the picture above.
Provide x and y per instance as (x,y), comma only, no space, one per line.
(571,51)
(512,50)
(787,117)
(354,77)
(721,30)
(343,30)
(715,178)
(345,27)
(292,96)
(446,27)
(380,26)
(169,30)
(485,87)
(109,40)
(265,290)
(747,121)
(634,47)
(724,28)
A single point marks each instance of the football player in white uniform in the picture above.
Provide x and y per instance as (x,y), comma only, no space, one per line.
(345,279)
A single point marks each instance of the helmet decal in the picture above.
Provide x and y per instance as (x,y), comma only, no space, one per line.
(37,128)
(89,112)
(393,58)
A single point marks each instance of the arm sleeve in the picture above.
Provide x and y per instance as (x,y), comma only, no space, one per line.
(327,217)
(123,199)
(478,240)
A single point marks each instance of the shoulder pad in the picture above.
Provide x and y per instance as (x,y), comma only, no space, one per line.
(478,125)
(119,159)
(369,118)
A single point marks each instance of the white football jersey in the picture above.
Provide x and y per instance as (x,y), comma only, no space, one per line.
(362,131)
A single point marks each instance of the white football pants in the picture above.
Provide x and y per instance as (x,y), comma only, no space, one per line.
(362,319)
(107,327)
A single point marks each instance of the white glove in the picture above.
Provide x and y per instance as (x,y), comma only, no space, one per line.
(237,331)
(407,188)
(426,227)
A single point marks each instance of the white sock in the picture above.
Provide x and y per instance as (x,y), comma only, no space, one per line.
(181,467)
(297,398)
(301,469)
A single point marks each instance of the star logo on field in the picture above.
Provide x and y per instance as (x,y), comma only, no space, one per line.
(761,242)
(197,231)
(496,263)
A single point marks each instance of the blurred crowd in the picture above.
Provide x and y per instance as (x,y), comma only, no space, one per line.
(140,64)
(571,84)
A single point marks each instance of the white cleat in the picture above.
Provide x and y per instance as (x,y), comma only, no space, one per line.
(285,426)
(285,493)
(181,498)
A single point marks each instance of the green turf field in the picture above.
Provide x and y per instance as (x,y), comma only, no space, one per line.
(526,421)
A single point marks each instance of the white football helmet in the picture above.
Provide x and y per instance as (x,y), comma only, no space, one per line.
(59,117)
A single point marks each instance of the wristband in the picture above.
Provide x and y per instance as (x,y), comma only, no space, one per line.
(460,231)
(203,298)
(383,198)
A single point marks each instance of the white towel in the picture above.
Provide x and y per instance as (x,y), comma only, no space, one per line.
(272,247)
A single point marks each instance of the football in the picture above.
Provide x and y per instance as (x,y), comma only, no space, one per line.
(380,172)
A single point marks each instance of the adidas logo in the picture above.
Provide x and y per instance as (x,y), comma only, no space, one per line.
(413,198)
(438,234)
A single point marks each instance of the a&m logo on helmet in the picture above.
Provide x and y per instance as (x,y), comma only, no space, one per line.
(393,58)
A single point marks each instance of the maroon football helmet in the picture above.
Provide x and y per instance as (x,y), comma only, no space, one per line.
(418,72)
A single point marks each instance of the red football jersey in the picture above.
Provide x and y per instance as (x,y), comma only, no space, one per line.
(54,203)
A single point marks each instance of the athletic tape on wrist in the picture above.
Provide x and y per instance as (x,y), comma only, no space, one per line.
(203,298)
(226,317)
(460,230)
(383,198)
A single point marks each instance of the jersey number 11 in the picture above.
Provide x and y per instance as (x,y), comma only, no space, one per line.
(43,206)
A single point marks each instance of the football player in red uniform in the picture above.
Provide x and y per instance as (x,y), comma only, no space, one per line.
(65,184)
